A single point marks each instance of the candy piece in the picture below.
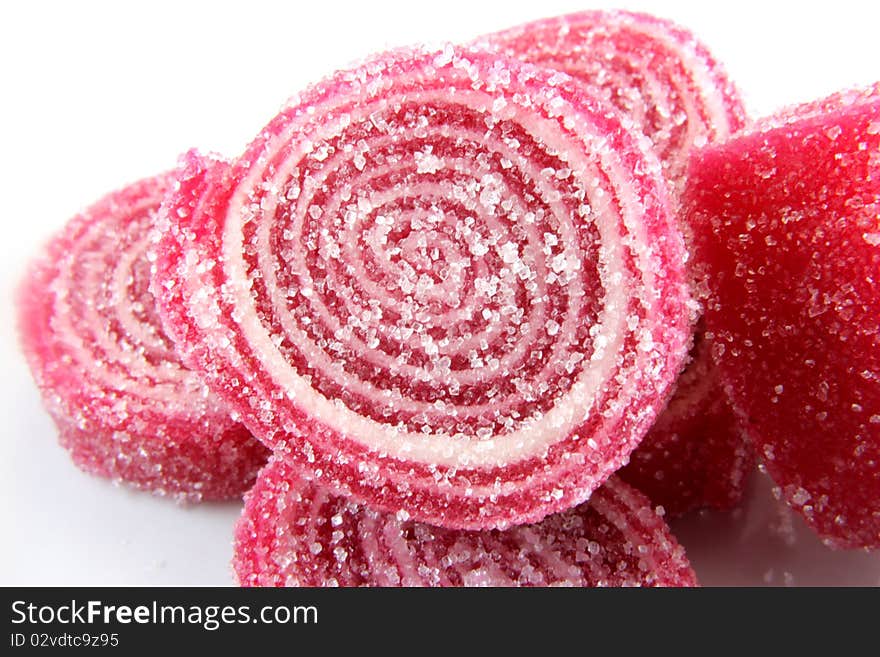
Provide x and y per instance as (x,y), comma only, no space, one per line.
(696,455)
(293,533)
(787,238)
(444,283)
(124,405)
(654,71)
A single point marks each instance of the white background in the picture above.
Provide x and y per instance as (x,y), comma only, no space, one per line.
(95,95)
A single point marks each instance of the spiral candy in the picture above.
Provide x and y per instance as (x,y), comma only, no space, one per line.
(444,283)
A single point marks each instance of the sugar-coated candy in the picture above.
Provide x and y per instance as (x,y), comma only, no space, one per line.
(293,533)
(786,221)
(696,455)
(445,284)
(655,72)
(124,405)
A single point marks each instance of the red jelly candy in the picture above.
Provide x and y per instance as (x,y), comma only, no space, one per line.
(657,73)
(696,455)
(444,283)
(124,405)
(787,236)
(293,533)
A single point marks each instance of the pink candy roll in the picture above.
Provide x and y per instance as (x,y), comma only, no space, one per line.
(125,407)
(444,283)
(293,533)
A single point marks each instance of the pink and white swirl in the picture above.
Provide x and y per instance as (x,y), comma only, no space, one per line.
(445,283)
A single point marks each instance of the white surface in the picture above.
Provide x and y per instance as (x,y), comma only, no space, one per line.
(100,94)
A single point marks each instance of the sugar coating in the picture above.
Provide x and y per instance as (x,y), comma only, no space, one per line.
(445,283)
(293,533)
(124,405)
(696,455)
(784,217)
(655,72)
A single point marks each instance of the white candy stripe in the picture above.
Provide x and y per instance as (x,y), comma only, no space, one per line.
(141,333)
(451,316)
(383,572)
(401,553)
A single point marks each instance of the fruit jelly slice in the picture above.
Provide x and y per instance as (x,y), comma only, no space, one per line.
(124,405)
(786,230)
(445,283)
(293,533)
